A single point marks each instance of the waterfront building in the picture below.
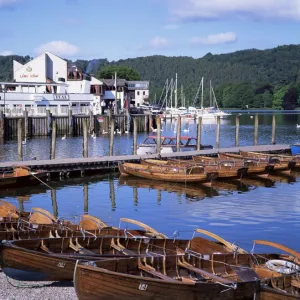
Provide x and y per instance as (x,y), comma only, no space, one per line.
(50,82)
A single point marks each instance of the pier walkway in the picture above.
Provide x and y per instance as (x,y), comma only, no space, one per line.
(110,163)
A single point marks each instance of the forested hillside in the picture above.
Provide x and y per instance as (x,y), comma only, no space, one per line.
(253,78)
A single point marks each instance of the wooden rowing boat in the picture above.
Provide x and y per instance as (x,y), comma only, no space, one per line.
(165,173)
(53,259)
(225,169)
(170,277)
(21,176)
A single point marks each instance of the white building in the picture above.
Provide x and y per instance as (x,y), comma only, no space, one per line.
(50,82)
(138,91)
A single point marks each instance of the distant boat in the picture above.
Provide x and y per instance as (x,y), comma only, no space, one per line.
(298,125)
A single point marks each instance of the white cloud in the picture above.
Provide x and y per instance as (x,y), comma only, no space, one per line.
(197,10)
(6,53)
(8,3)
(159,42)
(214,39)
(171,27)
(61,48)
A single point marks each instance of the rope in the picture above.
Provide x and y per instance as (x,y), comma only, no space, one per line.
(41,181)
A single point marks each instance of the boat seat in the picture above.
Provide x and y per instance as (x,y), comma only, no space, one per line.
(121,248)
(153,272)
(78,248)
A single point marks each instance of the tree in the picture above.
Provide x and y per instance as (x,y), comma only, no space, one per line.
(123,72)
(290,99)
(278,95)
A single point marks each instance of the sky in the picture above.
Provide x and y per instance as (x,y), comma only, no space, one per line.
(119,29)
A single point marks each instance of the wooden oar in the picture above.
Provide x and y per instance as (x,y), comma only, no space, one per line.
(146,227)
(88,222)
(278,246)
(8,210)
(227,244)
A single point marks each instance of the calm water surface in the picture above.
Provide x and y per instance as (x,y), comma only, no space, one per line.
(286,132)
(238,211)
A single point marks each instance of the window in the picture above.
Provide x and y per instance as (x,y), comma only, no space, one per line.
(138,93)
(144,93)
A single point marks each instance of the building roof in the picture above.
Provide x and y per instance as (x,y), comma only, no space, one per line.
(111,82)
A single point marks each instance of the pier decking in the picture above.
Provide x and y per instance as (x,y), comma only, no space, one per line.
(110,163)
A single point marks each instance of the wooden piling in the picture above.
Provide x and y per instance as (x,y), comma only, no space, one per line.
(256,129)
(218,132)
(20,149)
(273,129)
(158,135)
(85,138)
(85,198)
(178,134)
(150,123)
(112,195)
(135,196)
(1,124)
(53,139)
(199,128)
(48,122)
(134,135)
(111,137)
(25,115)
(70,122)
(237,130)
(92,123)
(54,203)
(146,123)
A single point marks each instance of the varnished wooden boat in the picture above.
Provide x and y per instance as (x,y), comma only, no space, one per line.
(280,163)
(171,277)
(173,173)
(225,169)
(254,166)
(21,176)
(41,259)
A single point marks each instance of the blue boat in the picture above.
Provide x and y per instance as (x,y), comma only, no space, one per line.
(295,149)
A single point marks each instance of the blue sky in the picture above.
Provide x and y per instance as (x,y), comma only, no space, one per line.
(116,29)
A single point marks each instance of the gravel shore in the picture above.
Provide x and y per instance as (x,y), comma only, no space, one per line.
(22,290)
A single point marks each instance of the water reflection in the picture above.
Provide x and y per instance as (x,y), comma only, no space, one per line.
(241,210)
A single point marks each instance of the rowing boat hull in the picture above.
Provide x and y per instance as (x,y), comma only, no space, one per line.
(272,294)
(6,182)
(152,173)
(100,284)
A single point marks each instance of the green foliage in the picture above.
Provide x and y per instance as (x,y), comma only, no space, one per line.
(123,72)
(257,78)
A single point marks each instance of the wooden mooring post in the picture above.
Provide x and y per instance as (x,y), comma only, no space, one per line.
(20,146)
(92,122)
(199,128)
(53,139)
(237,129)
(134,135)
(70,122)
(111,137)
(25,115)
(256,129)
(1,124)
(158,135)
(85,138)
(218,132)
(178,134)
(273,130)
(48,120)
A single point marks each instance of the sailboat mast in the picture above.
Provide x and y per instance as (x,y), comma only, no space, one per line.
(210,98)
(176,92)
(202,81)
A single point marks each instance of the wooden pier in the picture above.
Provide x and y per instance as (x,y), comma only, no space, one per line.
(103,164)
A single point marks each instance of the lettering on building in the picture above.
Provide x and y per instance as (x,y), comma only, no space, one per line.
(61,97)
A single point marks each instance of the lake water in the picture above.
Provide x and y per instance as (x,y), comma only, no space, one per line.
(238,211)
